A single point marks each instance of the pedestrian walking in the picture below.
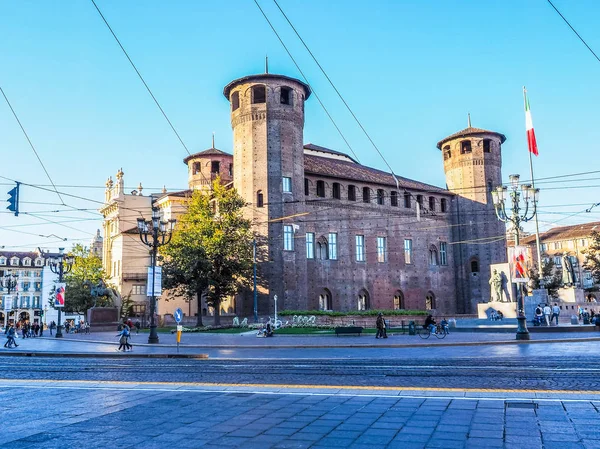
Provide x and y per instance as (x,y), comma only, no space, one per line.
(555,313)
(380,324)
(539,315)
(137,326)
(547,313)
(10,338)
(123,337)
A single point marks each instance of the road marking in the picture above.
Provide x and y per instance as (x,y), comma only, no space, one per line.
(180,386)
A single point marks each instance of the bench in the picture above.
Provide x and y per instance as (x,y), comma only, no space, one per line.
(403,327)
(348,330)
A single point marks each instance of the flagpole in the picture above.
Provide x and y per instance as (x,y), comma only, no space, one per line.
(537,226)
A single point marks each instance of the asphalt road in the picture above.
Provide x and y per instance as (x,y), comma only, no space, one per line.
(521,372)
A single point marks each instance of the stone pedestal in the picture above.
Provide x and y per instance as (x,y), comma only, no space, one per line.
(571,294)
(508,309)
(103,318)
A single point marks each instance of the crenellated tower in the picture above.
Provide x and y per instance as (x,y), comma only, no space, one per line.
(473,167)
(267,117)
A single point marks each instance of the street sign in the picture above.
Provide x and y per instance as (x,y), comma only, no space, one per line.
(178,315)
(8,303)
(157,282)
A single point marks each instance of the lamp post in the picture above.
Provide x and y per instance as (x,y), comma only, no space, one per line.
(61,267)
(530,196)
(154,233)
(9,283)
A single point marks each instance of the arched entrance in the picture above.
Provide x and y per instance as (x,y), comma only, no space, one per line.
(24,316)
(398,300)
(325,300)
(364,302)
(430,301)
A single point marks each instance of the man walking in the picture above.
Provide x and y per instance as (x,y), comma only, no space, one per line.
(555,313)
(547,313)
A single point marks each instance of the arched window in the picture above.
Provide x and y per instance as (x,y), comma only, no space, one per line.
(321,188)
(366,195)
(259,94)
(433,255)
(325,302)
(465,147)
(286,95)
(259,199)
(337,191)
(351,193)
(363,300)
(432,204)
(380,197)
(394,198)
(447,152)
(407,200)
(398,300)
(235,101)
(322,248)
(487,148)
(474,266)
(430,301)
(443,205)
(196,168)
(420,201)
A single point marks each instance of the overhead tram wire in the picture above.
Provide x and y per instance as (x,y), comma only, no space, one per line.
(344,101)
(141,78)
(307,82)
(574,31)
(31,144)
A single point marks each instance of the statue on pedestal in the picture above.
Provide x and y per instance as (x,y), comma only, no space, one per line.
(496,287)
(568,277)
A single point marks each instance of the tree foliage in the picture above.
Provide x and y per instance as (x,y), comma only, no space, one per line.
(210,254)
(552,278)
(592,256)
(85,271)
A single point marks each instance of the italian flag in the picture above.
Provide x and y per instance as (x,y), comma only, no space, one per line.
(529,126)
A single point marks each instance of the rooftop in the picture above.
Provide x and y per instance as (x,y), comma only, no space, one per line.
(470,131)
(265,76)
(209,152)
(566,232)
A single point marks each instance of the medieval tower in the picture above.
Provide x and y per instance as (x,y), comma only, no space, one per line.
(473,163)
(267,118)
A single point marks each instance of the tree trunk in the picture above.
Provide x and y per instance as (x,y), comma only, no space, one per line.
(217,311)
(199,314)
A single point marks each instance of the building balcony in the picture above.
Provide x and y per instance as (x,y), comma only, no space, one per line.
(135,276)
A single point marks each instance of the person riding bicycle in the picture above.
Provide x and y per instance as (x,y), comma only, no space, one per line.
(445,327)
(430,324)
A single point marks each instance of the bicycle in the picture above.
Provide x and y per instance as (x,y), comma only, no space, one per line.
(439,332)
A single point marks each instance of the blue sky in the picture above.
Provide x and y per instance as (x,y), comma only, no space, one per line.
(411,71)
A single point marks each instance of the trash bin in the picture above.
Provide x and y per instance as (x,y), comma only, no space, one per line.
(411,328)
(574,319)
(586,318)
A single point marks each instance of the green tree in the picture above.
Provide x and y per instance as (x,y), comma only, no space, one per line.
(210,254)
(85,272)
(552,278)
(592,256)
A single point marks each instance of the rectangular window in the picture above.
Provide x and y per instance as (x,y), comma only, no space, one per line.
(360,248)
(407,251)
(287,184)
(332,247)
(544,246)
(407,200)
(557,245)
(306,190)
(432,204)
(381,249)
(351,193)
(310,245)
(288,238)
(486,146)
(557,261)
(380,197)
(570,244)
(138,289)
(394,198)
(583,242)
(215,167)
(443,253)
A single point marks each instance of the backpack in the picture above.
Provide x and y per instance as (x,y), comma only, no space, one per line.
(538,311)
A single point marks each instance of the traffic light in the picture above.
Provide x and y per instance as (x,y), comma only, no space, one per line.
(13,200)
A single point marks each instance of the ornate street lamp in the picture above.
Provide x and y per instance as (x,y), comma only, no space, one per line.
(9,283)
(61,267)
(530,196)
(154,233)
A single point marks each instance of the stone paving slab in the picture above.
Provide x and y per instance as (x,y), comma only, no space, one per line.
(158,419)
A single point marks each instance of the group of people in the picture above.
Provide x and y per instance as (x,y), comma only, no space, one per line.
(29,330)
(80,326)
(430,324)
(545,315)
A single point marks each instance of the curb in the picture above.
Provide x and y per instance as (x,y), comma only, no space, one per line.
(103,355)
(436,343)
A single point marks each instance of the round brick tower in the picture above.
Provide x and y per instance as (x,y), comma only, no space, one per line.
(473,167)
(267,117)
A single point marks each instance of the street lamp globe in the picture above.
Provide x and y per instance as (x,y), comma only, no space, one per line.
(514,181)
